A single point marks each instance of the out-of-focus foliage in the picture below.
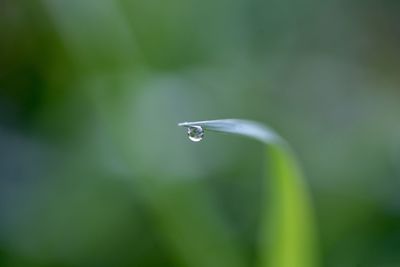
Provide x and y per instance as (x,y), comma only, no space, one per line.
(95,172)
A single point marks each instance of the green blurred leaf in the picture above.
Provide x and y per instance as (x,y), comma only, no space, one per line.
(287,230)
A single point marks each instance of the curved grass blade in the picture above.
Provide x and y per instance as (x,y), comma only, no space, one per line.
(288,236)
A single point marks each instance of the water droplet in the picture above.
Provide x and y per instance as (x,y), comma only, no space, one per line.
(195,133)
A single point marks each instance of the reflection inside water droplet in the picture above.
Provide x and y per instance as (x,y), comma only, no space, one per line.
(195,133)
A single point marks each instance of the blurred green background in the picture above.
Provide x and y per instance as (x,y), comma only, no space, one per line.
(95,172)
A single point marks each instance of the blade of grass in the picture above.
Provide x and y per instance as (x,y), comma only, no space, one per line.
(288,236)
